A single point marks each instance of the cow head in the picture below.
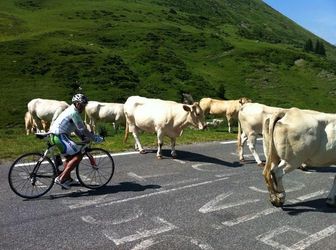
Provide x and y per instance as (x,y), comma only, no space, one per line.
(196,115)
(244,100)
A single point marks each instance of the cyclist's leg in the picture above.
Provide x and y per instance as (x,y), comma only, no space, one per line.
(71,162)
(72,153)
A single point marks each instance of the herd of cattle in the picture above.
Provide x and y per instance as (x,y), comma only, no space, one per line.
(292,138)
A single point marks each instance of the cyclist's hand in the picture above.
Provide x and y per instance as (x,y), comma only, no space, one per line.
(98,139)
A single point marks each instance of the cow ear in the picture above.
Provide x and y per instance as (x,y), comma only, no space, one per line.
(186,108)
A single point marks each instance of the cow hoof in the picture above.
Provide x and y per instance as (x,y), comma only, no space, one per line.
(303,168)
(143,151)
(159,157)
(330,203)
(277,203)
(261,164)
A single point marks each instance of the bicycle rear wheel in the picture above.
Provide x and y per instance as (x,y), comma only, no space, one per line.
(96,168)
(30,178)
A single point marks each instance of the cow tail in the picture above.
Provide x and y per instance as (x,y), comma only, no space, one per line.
(126,131)
(269,147)
(239,137)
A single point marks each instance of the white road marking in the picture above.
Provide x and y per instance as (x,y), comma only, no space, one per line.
(86,203)
(212,205)
(307,196)
(268,211)
(199,165)
(144,177)
(135,176)
(298,186)
(172,238)
(160,192)
(267,238)
(249,217)
(145,244)
(232,142)
(181,182)
(89,219)
(179,161)
(141,234)
(311,239)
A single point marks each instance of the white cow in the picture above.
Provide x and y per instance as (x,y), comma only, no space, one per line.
(45,109)
(295,137)
(30,124)
(227,108)
(251,118)
(166,118)
(106,112)
(214,123)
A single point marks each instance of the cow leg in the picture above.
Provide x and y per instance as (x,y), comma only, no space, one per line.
(269,181)
(277,174)
(173,143)
(240,143)
(331,200)
(252,138)
(160,144)
(39,125)
(229,123)
(137,141)
(93,126)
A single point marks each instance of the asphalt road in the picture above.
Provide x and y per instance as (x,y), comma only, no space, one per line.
(205,199)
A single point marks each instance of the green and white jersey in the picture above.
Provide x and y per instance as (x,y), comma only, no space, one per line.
(67,122)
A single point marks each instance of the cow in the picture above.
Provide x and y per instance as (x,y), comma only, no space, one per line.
(45,109)
(30,124)
(166,118)
(214,123)
(227,108)
(106,112)
(251,118)
(294,137)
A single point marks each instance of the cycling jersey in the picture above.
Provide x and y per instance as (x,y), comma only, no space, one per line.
(67,122)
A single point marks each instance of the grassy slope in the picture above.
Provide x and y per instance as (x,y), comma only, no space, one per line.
(113,49)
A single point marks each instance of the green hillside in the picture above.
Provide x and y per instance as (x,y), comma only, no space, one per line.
(157,48)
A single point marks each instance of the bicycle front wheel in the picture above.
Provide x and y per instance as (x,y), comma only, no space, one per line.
(29,177)
(96,168)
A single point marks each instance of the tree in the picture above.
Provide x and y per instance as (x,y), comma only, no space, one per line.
(309,46)
(221,92)
(319,48)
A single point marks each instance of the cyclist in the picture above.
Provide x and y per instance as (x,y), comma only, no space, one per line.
(67,122)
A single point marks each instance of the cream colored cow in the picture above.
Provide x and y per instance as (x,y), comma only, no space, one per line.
(295,137)
(45,109)
(251,118)
(30,124)
(166,118)
(105,112)
(227,108)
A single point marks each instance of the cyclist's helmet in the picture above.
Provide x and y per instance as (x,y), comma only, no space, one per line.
(80,98)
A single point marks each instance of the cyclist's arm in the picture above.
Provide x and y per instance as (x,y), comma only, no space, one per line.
(81,129)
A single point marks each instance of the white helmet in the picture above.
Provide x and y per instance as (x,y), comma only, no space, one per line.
(80,98)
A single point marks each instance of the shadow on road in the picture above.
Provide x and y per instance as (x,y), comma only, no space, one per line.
(317,205)
(320,169)
(121,187)
(196,157)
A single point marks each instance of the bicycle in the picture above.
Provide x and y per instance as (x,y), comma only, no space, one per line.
(32,175)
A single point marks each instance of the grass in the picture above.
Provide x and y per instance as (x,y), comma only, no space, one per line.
(154,48)
(14,142)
